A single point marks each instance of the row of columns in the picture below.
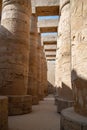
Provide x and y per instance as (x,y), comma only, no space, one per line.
(23,70)
(71,62)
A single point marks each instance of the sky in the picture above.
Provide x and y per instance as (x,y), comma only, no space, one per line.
(47,17)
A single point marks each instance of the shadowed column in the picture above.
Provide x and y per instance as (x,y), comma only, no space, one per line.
(14,54)
(32,78)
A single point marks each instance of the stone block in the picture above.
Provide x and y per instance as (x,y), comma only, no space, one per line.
(3,113)
(62,104)
(70,120)
(35,100)
(18,105)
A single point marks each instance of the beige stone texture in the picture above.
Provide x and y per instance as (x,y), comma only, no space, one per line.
(63,59)
(51,72)
(48,25)
(70,120)
(50,47)
(3,113)
(63,3)
(79,54)
(50,38)
(14,47)
(46,7)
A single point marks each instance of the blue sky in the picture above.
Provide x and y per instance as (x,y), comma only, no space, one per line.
(47,17)
(44,34)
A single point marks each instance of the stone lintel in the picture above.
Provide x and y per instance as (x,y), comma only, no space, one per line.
(49,38)
(45,7)
(48,46)
(48,25)
(50,55)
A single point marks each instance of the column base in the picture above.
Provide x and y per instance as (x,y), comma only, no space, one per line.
(19,104)
(56,99)
(70,120)
(3,113)
(35,100)
(41,97)
(62,104)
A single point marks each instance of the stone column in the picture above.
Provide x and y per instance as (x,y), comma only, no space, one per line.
(79,54)
(14,54)
(32,78)
(58,71)
(39,65)
(3,113)
(42,74)
(45,77)
(76,118)
(64,60)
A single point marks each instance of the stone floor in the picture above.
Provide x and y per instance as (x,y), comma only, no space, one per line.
(43,117)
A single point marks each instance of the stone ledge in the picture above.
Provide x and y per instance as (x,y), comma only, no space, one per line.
(19,104)
(62,104)
(3,113)
(70,120)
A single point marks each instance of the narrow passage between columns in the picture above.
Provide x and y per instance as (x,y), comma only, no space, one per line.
(43,117)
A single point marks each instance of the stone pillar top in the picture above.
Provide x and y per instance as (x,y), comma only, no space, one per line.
(26,3)
(63,3)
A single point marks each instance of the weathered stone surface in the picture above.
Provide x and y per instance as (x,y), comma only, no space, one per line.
(32,78)
(0,8)
(50,47)
(14,47)
(48,25)
(62,104)
(19,104)
(51,75)
(46,7)
(43,75)
(63,53)
(3,113)
(63,3)
(79,54)
(72,121)
(50,38)
(39,70)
